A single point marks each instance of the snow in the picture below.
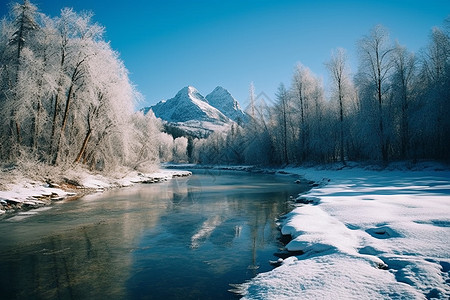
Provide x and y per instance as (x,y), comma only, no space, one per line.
(100,182)
(371,235)
(221,99)
(30,192)
(197,115)
(188,104)
(202,128)
(22,192)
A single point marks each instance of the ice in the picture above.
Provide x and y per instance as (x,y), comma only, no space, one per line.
(373,235)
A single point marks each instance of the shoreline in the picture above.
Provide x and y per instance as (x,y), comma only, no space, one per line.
(366,233)
(33,194)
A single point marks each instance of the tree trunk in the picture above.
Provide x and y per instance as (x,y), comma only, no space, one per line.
(341,118)
(66,110)
(36,126)
(383,144)
(83,147)
(285,146)
(19,138)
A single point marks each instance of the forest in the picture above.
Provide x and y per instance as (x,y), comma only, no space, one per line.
(66,99)
(394,108)
(65,96)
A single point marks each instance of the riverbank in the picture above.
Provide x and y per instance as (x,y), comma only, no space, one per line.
(20,192)
(368,233)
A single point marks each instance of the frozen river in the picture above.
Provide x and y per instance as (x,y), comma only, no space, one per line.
(187,238)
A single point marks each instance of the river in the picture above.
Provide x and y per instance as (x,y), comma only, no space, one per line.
(187,238)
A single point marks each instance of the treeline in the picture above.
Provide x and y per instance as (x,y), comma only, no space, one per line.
(396,107)
(65,96)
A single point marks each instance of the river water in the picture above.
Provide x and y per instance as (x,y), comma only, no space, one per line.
(187,238)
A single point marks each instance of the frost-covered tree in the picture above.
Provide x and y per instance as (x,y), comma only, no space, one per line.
(180,149)
(403,80)
(301,89)
(308,107)
(341,87)
(19,37)
(375,67)
(142,144)
(434,132)
(283,110)
(25,25)
(165,147)
(65,95)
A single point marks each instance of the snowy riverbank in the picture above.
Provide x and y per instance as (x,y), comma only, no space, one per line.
(18,192)
(367,234)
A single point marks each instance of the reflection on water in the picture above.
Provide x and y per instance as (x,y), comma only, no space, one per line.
(187,238)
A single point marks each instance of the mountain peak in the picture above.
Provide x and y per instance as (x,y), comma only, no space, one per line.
(222,99)
(190,91)
(188,104)
(220,89)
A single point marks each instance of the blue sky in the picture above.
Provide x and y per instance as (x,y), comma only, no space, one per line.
(167,45)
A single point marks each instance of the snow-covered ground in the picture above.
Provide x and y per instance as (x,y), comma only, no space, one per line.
(366,235)
(20,192)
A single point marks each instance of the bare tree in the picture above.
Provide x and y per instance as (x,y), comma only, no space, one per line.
(282,108)
(403,80)
(339,75)
(436,64)
(376,64)
(299,92)
(307,105)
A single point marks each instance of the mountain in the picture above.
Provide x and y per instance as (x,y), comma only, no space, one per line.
(221,99)
(188,104)
(191,112)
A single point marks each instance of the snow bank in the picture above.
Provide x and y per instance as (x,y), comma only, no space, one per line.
(29,194)
(333,276)
(372,235)
(101,182)
(22,192)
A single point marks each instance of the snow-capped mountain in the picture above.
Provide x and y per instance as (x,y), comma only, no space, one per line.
(221,99)
(188,104)
(191,112)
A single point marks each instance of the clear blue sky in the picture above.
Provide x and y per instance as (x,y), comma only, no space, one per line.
(167,45)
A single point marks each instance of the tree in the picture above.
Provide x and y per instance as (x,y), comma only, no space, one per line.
(83,37)
(375,65)
(300,90)
(251,108)
(436,78)
(402,82)
(65,95)
(180,149)
(25,25)
(339,75)
(283,107)
(307,107)
(144,142)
